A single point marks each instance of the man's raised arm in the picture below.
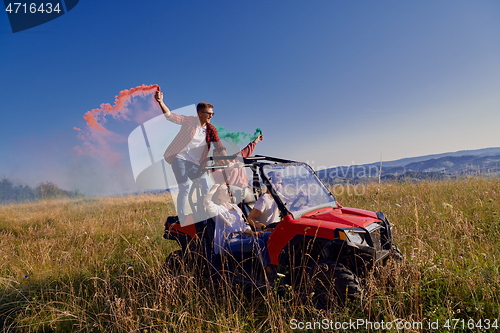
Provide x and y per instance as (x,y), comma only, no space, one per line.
(163,106)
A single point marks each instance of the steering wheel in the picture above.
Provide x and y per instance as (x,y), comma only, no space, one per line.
(294,206)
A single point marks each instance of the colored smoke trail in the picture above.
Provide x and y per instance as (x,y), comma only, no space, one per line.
(100,163)
(98,141)
(121,100)
(238,138)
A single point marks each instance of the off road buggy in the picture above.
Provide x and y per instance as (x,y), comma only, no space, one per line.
(319,247)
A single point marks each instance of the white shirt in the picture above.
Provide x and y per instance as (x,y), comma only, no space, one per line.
(269,209)
(194,150)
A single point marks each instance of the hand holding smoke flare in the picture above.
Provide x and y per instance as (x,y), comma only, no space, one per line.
(158,95)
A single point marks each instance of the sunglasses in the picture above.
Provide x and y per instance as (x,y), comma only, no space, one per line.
(209,113)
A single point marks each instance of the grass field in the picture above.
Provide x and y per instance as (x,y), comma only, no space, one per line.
(96,265)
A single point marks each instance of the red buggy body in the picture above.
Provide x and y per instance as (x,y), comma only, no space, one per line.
(317,246)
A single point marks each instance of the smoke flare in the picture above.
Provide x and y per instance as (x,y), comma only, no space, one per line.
(237,137)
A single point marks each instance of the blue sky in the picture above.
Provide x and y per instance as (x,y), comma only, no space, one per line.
(329,82)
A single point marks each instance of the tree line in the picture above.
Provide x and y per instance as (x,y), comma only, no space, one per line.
(10,192)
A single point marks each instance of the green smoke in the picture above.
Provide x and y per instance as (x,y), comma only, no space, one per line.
(237,138)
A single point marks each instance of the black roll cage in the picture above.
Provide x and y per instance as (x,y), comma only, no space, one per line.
(256,164)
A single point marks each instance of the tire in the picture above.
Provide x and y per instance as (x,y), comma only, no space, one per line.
(334,285)
(175,262)
(363,264)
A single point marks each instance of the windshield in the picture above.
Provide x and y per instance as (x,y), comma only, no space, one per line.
(298,188)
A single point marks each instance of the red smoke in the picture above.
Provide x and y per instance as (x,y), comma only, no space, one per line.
(97,141)
(121,100)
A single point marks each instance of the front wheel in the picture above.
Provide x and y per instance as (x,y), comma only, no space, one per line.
(335,284)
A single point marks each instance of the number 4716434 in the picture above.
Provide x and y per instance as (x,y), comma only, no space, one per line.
(471,324)
(32,8)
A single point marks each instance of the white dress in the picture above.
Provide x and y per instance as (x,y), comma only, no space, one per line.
(226,222)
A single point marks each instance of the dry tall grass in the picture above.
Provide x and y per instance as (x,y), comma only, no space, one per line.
(96,265)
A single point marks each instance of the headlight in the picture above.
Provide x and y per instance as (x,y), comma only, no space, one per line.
(354,235)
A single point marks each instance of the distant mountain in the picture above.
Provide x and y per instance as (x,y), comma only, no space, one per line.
(408,160)
(437,166)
